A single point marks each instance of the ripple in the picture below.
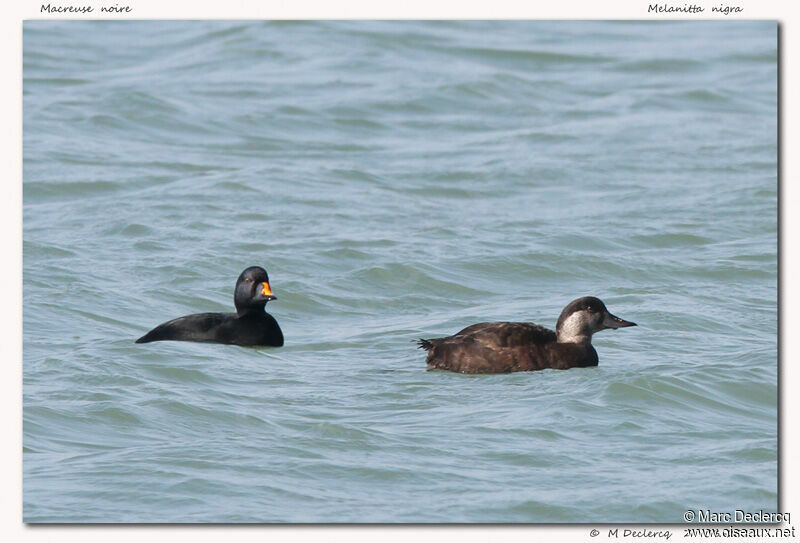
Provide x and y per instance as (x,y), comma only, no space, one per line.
(56,190)
(660,65)
(539,57)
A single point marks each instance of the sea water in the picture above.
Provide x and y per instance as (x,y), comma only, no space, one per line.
(398,180)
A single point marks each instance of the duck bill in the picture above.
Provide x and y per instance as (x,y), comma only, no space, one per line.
(612,321)
(266,292)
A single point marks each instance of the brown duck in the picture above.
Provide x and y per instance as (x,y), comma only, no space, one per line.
(503,347)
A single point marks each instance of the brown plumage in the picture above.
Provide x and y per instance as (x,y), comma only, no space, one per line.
(503,347)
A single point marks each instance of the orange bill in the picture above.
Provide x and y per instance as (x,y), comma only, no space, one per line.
(266,290)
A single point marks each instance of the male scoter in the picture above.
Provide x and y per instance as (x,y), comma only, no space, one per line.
(503,347)
(249,326)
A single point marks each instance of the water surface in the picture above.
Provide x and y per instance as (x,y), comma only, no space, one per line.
(398,180)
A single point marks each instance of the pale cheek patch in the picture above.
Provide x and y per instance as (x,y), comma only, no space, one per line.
(574,325)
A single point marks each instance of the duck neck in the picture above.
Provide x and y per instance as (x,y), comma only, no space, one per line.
(249,310)
(578,338)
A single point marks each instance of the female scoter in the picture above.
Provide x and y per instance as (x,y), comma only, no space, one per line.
(503,347)
(249,326)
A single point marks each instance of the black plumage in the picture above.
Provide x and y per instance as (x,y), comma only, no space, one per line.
(249,326)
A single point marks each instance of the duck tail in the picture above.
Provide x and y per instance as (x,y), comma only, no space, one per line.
(148,337)
(424,344)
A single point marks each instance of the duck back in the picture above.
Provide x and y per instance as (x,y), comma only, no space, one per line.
(227,328)
(504,347)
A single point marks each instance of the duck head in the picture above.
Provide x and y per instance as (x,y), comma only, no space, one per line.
(252,290)
(584,317)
